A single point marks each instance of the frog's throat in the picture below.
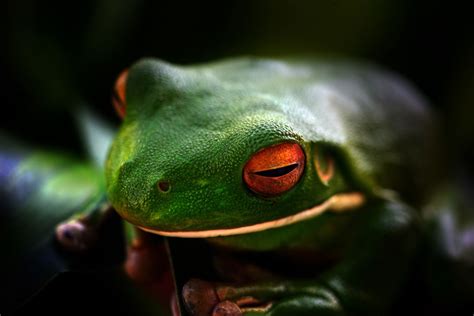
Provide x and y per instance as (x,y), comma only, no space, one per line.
(336,203)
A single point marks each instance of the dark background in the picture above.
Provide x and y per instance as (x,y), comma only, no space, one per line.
(56,55)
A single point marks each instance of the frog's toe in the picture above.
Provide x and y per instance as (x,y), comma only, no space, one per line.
(76,235)
(227,308)
(207,298)
(200,297)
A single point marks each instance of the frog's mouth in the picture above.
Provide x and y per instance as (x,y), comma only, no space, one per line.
(337,203)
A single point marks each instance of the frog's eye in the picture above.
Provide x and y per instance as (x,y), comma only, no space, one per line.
(118,94)
(275,169)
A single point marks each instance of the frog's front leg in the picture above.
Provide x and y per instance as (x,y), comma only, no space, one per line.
(366,281)
(147,264)
(80,232)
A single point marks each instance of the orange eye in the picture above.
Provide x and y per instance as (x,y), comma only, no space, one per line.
(118,94)
(275,169)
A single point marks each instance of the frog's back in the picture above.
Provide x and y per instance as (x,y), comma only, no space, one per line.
(382,125)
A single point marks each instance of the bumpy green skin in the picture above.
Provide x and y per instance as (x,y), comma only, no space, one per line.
(197,126)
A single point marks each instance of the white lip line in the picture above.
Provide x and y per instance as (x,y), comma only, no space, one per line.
(336,203)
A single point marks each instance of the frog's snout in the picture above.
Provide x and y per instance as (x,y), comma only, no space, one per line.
(163,186)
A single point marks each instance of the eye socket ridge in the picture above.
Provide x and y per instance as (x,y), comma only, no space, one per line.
(118,94)
(277,172)
(117,98)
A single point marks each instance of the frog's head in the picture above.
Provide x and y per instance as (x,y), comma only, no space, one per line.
(198,157)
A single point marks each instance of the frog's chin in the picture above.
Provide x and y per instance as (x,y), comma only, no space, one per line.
(337,203)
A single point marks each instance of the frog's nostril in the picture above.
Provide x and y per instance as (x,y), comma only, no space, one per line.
(164,186)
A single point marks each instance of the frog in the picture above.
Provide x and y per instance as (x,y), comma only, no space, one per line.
(329,158)
(313,181)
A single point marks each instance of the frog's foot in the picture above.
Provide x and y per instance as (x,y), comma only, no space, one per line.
(76,235)
(81,232)
(206,298)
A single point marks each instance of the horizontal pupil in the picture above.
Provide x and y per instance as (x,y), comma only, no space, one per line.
(277,172)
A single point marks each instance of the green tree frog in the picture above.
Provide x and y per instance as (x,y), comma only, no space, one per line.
(326,160)
(313,182)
